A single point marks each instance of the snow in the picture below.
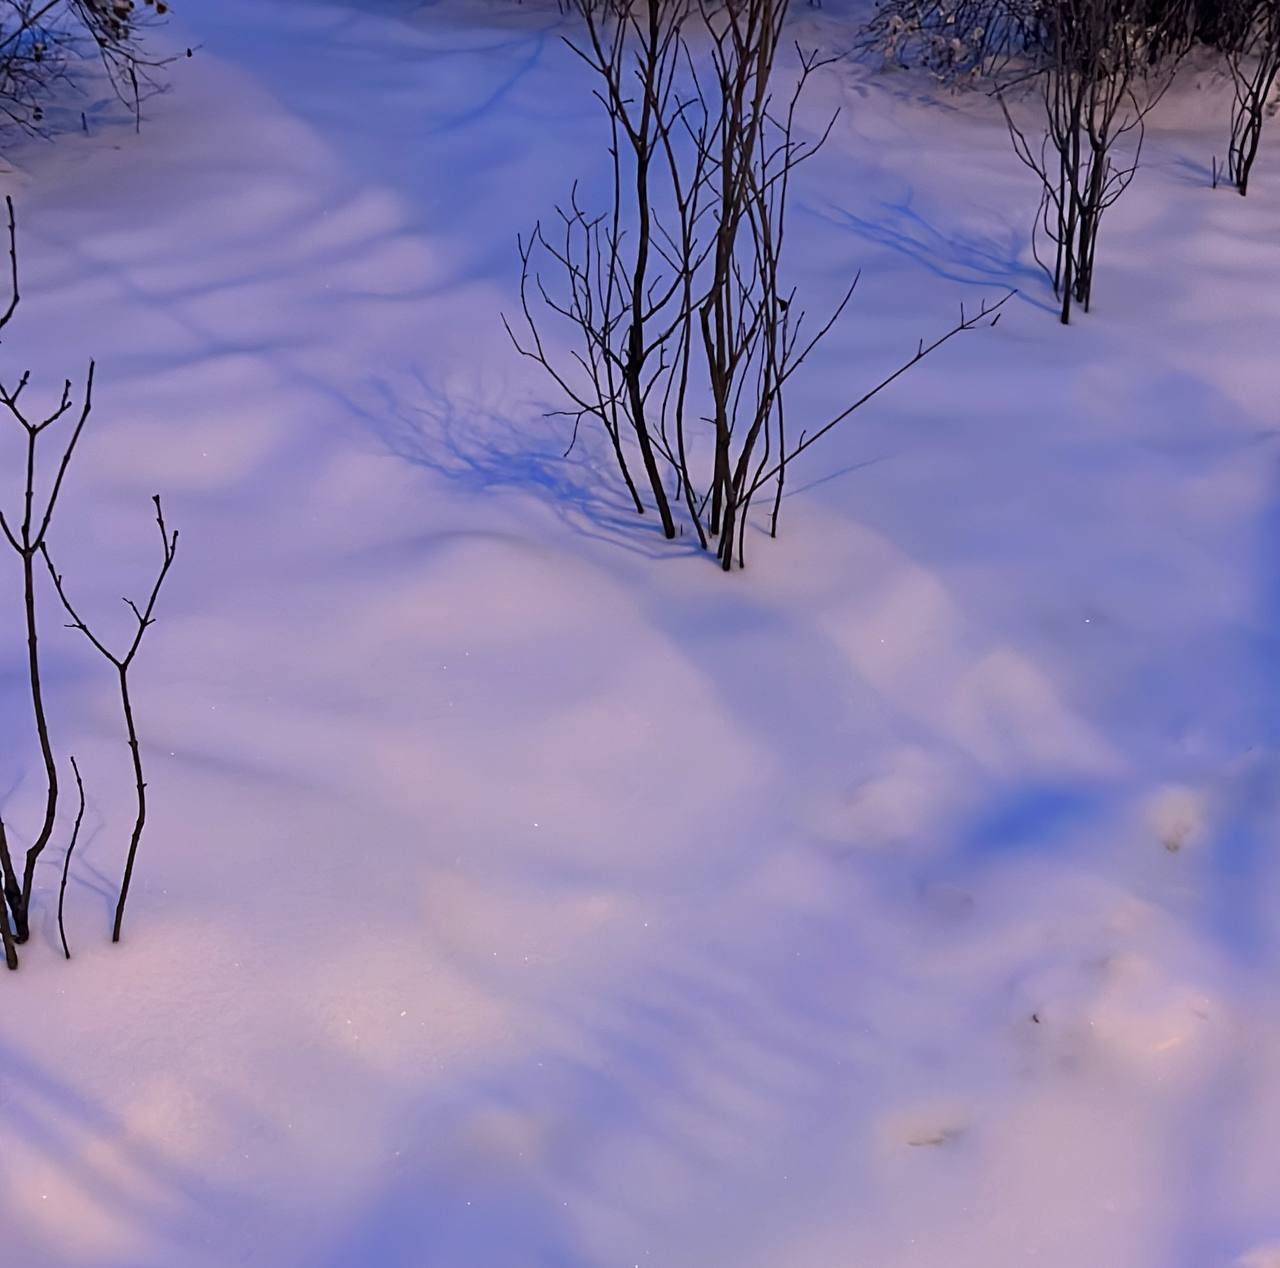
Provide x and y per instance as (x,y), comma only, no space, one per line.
(518,891)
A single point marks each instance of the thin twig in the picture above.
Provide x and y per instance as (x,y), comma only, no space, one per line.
(66,861)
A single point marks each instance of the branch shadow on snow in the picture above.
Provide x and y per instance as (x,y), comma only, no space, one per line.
(484,451)
(1196,173)
(506,1159)
(105,1163)
(973,259)
(431,1205)
(683,1065)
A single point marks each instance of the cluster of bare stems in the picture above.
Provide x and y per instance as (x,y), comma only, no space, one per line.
(42,42)
(1101,77)
(1253,62)
(956,41)
(685,334)
(1099,67)
(963,42)
(27,533)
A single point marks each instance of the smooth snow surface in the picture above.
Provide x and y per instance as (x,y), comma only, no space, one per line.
(521,893)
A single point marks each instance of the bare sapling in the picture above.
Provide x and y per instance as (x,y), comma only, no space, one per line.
(122,663)
(1102,73)
(26,529)
(26,532)
(1253,61)
(623,289)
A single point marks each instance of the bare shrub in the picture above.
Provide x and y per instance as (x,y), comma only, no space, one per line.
(684,333)
(1104,72)
(43,42)
(27,533)
(958,42)
(1253,61)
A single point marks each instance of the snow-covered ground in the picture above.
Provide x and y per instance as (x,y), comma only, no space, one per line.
(519,892)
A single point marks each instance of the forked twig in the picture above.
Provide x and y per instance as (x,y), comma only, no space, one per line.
(145,619)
